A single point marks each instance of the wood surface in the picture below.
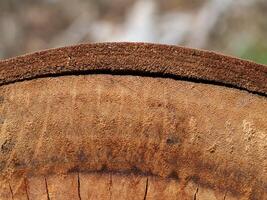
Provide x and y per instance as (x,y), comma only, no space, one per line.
(126,135)
(138,58)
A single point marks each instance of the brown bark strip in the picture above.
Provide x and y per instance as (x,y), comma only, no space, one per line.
(138,59)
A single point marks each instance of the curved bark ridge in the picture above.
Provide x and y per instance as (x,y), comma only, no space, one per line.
(138,59)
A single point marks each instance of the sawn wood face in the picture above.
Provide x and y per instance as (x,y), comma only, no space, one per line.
(71,116)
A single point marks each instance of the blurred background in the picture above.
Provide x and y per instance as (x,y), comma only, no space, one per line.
(235,27)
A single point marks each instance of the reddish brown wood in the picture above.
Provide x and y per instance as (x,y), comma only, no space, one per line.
(132,135)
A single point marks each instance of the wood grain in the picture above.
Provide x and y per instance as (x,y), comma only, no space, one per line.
(211,135)
(132,121)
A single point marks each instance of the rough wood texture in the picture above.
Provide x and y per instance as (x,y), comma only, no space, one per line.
(66,137)
(138,58)
(106,186)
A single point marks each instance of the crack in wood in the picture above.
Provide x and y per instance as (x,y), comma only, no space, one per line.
(146,189)
(46,188)
(79,187)
(224,197)
(195,195)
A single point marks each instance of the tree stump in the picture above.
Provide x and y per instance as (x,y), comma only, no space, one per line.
(132,121)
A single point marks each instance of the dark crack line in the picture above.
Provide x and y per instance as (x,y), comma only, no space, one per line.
(79,187)
(46,188)
(146,189)
(11,191)
(224,198)
(195,195)
(140,73)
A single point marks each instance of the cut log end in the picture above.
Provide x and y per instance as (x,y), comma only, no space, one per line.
(128,136)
